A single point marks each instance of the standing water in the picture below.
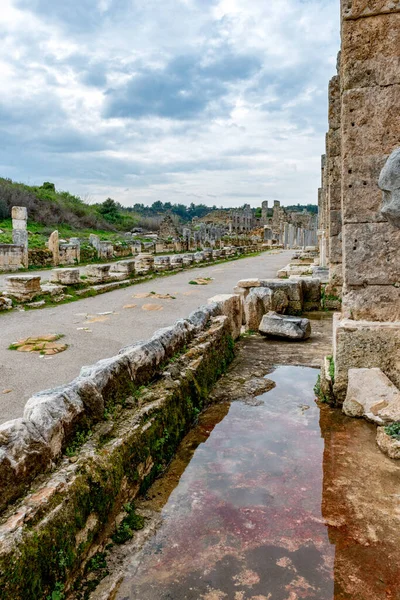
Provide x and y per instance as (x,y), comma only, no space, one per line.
(278,503)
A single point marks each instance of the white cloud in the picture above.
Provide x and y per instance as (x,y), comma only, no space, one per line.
(224,101)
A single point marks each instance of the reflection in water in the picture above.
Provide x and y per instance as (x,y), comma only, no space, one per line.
(245,522)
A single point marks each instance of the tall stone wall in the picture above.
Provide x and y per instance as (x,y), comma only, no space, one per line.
(334,188)
(370,131)
(364,247)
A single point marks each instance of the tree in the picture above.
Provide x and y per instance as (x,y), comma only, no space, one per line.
(110,210)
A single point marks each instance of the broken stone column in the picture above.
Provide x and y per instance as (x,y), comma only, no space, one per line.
(19,216)
(54,247)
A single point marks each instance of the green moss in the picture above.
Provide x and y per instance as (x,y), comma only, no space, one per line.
(129,524)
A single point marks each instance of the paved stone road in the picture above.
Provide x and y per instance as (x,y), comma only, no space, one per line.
(88,342)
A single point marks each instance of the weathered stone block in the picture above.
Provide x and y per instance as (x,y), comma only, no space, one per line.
(364,344)
(162,263)
(23,454)
(19,213)
(55,414)
(291,328)
(188,259)
(372,395)
(370,51)
(371,254)
(144,263)
(23,287)
(98,273)
(144,358)
(388,444)
(127,267)
(230,305)
(65,276)
(372,303)
(293,290)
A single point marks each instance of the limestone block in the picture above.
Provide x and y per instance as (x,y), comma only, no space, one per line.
(199,257)
(23,454)
(144,263)
(248,283)
(12,257)
(335,222)
(372,303)
(230,305)
(293,290)
(360,186)
(291,328)
(188,259)
(321,273)
(19,224)
(176,261)
(144,358)
(369,54)
(371,254)
(388,444)
(353,9)
(364,344)
(52,289)
(98,273)
(54,247)
(55,414)
(20,237)
(372,395)
(23,287)
(216,254)
(335,249)
(208,254)
(112,378)
(162,263)
(19,213)
(174,338)
(311,293)
(256,304)
(127,267)
(200,317)
(65,276)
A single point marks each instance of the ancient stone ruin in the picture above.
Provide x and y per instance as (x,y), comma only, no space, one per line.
(359,232)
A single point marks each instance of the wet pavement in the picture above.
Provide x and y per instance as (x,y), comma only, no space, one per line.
(283,500)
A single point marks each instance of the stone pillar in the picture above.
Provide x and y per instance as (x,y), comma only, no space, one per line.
(54,247)
(19,216)
(334,190)
(370,99)
(367,333)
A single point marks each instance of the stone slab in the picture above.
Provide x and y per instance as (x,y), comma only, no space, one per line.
(372,395)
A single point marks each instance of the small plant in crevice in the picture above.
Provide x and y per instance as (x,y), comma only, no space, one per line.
(57,593)
(80,438)
(331,368)
(129,524)
(393,430)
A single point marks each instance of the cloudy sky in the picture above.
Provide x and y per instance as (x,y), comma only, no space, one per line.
(214,101)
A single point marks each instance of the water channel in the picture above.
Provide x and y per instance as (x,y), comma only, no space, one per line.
(281,500)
